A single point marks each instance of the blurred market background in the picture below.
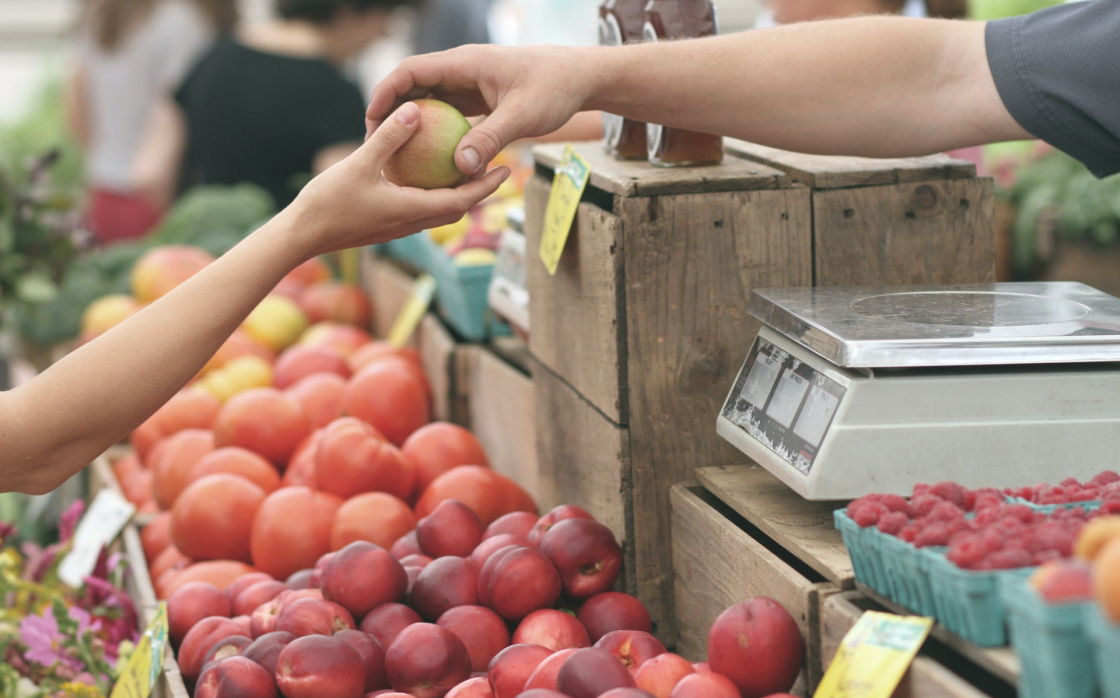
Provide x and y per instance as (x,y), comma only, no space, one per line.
(1055,221)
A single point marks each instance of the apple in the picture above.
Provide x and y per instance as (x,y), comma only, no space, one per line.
(235,677)
(632,647)
(265,650)
(198,641)
(387,621)
(318,666)
(363,576)
(250,599)
(452,528)
(444,584)
(520,581)
(191,603)
(585,554)
(489,546)
(546,672)
(314,617)
(757,645)
(475,687)
(517,523)
(373,656)
(709,685)
(553,629)
(560,513)
(660,674)
(613,610)
(511,668)
(482,631)
(427,661)
(591,672)
(427,159)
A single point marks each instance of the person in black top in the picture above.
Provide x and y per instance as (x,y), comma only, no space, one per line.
(267,106)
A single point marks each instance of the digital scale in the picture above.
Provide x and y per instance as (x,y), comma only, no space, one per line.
(848,391)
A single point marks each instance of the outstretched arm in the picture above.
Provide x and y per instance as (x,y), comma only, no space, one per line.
(870,86)
(53,426)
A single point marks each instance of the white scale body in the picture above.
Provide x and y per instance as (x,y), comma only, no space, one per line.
(848,391)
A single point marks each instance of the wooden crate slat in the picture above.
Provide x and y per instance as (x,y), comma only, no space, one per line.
(502,416)
(804,528)
(578,323)
(437,350)
(836,172)
(388,287)
(639,178)
(905,234)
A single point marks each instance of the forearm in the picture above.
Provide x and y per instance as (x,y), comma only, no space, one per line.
(872,86)
(92,398)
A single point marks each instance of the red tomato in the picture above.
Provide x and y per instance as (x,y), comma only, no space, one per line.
(292,530)
(213,517)
(438,447)
(388,396)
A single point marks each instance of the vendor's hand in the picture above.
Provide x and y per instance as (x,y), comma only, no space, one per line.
(526,92)
(351,204)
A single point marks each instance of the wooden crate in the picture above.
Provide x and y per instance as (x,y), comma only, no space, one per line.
(645,319)
(718,561)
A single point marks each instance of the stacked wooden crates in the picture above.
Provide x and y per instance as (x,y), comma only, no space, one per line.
(638,337)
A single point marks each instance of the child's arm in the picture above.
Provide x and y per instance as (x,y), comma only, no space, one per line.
(64,418)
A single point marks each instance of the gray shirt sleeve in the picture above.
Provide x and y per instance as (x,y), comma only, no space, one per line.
(1058,73)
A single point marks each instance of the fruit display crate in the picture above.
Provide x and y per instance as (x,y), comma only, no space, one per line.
(1052,641)
(1104,636)
(641,329)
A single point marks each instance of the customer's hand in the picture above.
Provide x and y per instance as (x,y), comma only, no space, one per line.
(526,92)
(351,204)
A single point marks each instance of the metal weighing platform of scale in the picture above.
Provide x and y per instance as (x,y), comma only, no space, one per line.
(848,391)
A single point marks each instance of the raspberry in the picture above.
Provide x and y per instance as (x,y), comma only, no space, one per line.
(896,504)
(949,491)
(923,504)
(936,533)
(1022,512)
(967,551)
(946,511)
(1105,478)
(892,522)
(868,514)
(920,488)
(1009,559)
(909,533)
(1070,482)
(1050,535)
(1109,506)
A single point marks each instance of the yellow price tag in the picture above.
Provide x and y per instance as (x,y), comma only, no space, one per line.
(410,315)
(146,661)
(874,656)
(567,187)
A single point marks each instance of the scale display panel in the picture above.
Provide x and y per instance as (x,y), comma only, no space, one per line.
(783,403)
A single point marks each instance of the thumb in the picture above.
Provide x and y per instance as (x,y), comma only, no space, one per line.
(391,134)
(483,142)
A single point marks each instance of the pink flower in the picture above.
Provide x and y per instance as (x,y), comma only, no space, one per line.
(44,643)
(7,530)
(68,520)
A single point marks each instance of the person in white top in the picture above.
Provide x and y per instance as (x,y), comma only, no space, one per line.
(126,55)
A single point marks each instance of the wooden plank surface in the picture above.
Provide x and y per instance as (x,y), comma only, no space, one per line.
(639,178)
(438,356)
(501,409)
(578,316)
(804,528)
(691,263)
(934,232)
(388,287)
(836,172)
(926,677)
(717,564)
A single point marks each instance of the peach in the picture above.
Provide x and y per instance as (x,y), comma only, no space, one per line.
(198,642)
(632,647)
(541,693)
(427,159)
(560,513)
(314,617)
(544,676)
(235,677)
(482,631)
(520,581)
(332,301)
(299,362)
(660,674)
(427,661)
(420,561)
(627,693)
(251,599)
(585,554)
(1059,581)
(317,666)
(245,623)
(553,629)
(477,687)
(451,529)
(245,581)
(299,580)
(489,546)
(511,668)
(385,622)
(191,603)
(163,268)
(231,646)
(709,685)
(263,620)
(702,667)
(757,645)
(590,672)
(613,610)
(265,650)
(517,523)
(444,584)
(373,656)
(406,545)
(363,576)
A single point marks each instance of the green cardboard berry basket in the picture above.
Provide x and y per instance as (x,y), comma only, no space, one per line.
(1104,638)
(968,602)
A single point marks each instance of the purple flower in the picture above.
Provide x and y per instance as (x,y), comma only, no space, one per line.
(120,623)
(68,520)
(44,642)
(7,530)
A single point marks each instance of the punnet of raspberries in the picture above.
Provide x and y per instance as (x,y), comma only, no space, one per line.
(982,530)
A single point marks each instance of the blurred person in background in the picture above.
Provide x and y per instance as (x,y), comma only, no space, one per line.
(446,24)
(269,105)
(126,55)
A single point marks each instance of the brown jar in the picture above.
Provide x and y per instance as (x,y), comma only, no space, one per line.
(621,22)
(680,19)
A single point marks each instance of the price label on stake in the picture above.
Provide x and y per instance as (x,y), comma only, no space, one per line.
(567,187)
(410,315)
(105,518)
(144,664)
(874,656)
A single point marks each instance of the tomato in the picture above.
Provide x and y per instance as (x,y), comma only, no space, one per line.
(353,458)
(320,395)
(489,494)
(213,517)
(238,345)
(438,447)
(292,530)
(299,362)
(173,459)
(333,301)
(238,461)
(137,486)
(145,436)
(301,468)
(375,517)
(188,409)
(263,420)
(156,536)
(377,350)
(167,561)
(220,573)
(388,396)
(312,271)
